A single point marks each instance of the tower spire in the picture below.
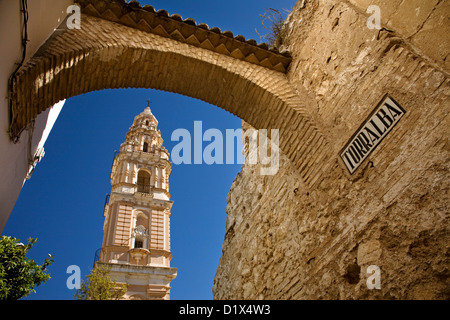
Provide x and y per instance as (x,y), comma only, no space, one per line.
(147,109)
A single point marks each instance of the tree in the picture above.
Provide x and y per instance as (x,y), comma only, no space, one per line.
(19,274)
(99,286)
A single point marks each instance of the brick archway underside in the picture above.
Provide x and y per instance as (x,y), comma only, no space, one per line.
(106,55)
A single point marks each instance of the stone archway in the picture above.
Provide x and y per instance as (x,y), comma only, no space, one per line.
(123,45)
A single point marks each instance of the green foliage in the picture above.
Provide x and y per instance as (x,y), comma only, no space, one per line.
(19,274)
(99,286)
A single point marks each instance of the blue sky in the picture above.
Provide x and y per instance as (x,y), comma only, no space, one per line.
(62,204)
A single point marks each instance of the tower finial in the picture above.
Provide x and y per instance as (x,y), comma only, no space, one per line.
(147,109)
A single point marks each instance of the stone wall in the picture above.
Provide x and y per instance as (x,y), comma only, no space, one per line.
(287,241)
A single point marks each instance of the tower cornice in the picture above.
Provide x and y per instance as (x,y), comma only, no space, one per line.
(142,199)
(142,156)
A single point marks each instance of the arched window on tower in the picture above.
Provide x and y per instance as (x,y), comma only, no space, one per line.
(143,181)
(140,240)
(145,147)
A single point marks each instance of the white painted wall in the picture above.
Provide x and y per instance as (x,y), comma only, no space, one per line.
(44,16)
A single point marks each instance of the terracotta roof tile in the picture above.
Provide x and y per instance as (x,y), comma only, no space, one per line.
(145,18)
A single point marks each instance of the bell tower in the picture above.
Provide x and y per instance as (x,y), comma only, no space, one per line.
(136,242)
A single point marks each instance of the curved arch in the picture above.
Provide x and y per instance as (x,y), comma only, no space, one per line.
(145,170)
(106,55)
(141,213)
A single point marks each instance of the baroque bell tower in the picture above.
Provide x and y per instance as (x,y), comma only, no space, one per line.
(136,242)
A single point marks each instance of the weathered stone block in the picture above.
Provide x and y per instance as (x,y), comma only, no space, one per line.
(369,252)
